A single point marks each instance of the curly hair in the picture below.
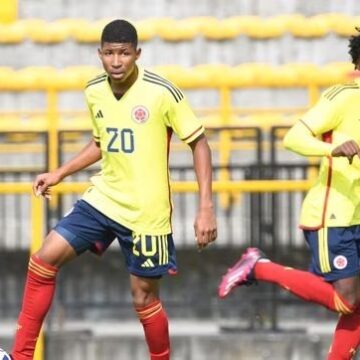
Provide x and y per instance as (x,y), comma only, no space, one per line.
(354,46)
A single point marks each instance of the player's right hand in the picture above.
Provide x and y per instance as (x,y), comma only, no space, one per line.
(349,149)
(43,183)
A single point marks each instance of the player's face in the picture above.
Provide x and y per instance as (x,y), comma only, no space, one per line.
(118,60)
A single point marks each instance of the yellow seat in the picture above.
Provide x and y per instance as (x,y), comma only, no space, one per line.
(46,32)
(258,28)
(337,72)
(257,74)
(9,11)
(70,23)
(34,77)
(340,24)
(12,33)
(85,73)
(215,29)
(177,30)
(304,73)
(177,74)
(88,32)
(211,75)
(309,27)
(7,75)
(75,77)
(241,23)
(146,29)
(284,76)
(240,76)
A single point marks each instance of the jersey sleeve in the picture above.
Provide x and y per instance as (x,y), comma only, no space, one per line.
(301,140)
(304,137)
(95,129)
(182,120)
(324,115)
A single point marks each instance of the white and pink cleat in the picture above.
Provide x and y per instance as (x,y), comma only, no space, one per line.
(242,273)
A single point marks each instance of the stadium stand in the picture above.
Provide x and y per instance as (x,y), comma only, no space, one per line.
(175,30)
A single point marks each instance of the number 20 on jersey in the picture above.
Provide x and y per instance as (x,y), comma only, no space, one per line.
(121,140)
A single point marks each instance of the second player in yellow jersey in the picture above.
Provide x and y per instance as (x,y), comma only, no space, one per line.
(334,200)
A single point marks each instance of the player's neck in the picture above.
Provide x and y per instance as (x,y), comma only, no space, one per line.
(119,88)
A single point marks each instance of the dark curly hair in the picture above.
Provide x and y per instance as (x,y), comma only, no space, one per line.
(119,31)
(354,46)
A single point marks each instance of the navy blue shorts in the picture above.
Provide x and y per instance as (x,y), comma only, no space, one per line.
(335,251)
(85,228)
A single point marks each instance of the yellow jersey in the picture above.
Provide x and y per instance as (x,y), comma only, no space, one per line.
(334,200)
(134,132)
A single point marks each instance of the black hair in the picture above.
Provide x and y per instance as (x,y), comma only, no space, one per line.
(119,31)
(354,45)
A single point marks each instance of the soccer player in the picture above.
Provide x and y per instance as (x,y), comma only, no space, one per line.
(330,216)
(134,112)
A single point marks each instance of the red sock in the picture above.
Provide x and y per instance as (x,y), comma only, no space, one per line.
(38,295)
(346,337)
(303,284)
(155,323)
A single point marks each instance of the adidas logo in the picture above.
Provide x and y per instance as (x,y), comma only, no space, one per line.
(99,115)
(332,217)
(147,264)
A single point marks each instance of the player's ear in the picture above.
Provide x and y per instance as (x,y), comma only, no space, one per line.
(100,53)
(138,53)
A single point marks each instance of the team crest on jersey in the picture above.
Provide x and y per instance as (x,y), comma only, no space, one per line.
(340,262)
(140,114)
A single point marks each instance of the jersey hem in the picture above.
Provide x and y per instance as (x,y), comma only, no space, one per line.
(125,223)
(317,227)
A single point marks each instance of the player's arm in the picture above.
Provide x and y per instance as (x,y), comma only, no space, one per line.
(181,118)
(90,154)
(303,141)
(205,222)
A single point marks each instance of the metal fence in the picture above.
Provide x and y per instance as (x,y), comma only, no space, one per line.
(257,202)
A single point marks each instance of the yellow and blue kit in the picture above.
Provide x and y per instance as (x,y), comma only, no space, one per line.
(330,214)
(133,186)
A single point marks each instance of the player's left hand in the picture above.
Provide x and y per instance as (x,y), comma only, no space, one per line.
(348,149)
(205,227)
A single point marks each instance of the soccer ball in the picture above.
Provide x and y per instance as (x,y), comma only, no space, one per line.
(4,355)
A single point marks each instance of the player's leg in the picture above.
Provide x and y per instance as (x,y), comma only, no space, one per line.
(254,267)
(346,339)
(148,258)
(39,292)
(78,231)
(145,293)
(315,288)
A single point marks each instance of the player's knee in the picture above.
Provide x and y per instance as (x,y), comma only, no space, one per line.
(42,256)
(55,251)
(352,301)
(348,294)
(46,257)
(142,298)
